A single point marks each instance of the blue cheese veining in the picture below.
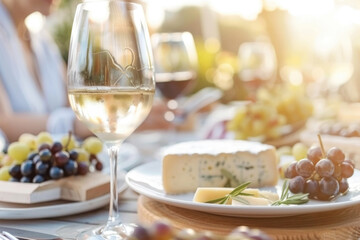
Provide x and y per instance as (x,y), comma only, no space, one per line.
(189,165)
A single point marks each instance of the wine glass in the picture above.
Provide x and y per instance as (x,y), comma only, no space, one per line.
(257,64)
(175,66)
(110,84)
(332,62)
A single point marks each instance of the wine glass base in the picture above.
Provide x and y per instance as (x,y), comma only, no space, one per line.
(118,232)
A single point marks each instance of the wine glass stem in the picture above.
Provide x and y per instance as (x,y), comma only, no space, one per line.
(114,218)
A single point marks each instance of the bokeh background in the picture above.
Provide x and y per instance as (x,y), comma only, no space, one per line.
(316,43)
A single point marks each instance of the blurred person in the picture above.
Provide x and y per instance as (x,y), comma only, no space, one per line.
(33,94)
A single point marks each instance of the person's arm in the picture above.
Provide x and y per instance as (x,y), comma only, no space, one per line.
(5,106)
(13,125)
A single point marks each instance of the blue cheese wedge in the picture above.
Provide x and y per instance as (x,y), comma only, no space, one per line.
(189,165)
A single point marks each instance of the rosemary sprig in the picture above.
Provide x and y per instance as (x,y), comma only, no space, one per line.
(231,179)
(288,199)
(236,192)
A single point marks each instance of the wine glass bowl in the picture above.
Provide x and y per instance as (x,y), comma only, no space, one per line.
(257,60)
(257,65)
(332,61)
(110,83)
(175,64)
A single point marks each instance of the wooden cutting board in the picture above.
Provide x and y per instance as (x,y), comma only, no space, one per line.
(343,224)
(74,188)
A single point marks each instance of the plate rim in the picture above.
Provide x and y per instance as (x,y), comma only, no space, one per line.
(237,211)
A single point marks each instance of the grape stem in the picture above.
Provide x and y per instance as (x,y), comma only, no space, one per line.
(321,146)
(68,141)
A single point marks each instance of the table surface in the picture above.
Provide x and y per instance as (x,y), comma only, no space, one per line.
(67,227)
(74,223)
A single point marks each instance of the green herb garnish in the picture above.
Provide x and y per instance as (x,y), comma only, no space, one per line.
(288,199)
(231,179)
(236,192)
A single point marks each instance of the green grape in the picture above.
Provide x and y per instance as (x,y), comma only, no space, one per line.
(284,150)
(4,173)
(83,155)
(258,127)
(44,137)
(93,145)
(18,151)
(6,161)
(72,144)
(29,139)
(299,151)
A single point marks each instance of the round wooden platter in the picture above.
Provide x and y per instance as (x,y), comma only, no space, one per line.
(343,224)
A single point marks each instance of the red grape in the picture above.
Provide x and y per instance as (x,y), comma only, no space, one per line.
(297,184)
(83,168)
(44,146)
(305,168)
(329,186)
(335,155)
(325,168)
(290,171)
(162,230)
(61,158)
(343,185)
(140,233)
(56,147)
(311,187)
(347,170)
(314,154)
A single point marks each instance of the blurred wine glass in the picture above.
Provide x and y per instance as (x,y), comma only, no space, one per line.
(332,62)
(175,67)
(257,64)
(111,85)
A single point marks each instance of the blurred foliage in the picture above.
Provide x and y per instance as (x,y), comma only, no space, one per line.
(61,30)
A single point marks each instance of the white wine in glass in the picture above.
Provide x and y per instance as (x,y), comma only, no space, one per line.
(110,84)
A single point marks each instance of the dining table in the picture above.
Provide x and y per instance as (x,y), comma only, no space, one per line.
(134,208)
(340,223)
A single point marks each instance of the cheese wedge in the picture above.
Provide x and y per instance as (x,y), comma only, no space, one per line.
(250,200)
(205,194)
(189,165)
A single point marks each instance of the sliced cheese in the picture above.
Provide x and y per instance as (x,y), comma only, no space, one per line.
(189,165)
(250,200)
(205,194)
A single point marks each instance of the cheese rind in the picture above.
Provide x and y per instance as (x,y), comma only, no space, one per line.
(189,165)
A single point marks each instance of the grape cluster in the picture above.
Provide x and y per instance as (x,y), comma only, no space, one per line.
(164,231)
(322,177)
(43,159)
(290,100)
(256,119)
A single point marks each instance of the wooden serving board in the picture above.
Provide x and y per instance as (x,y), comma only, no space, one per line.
(343,224)
(74,188)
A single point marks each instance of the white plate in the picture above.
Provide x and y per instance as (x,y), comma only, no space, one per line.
(56,208)
(146,180)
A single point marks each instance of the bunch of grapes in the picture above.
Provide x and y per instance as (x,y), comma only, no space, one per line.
(35,159)
(164,231)
(289,99)
(256,119)
(322,176)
